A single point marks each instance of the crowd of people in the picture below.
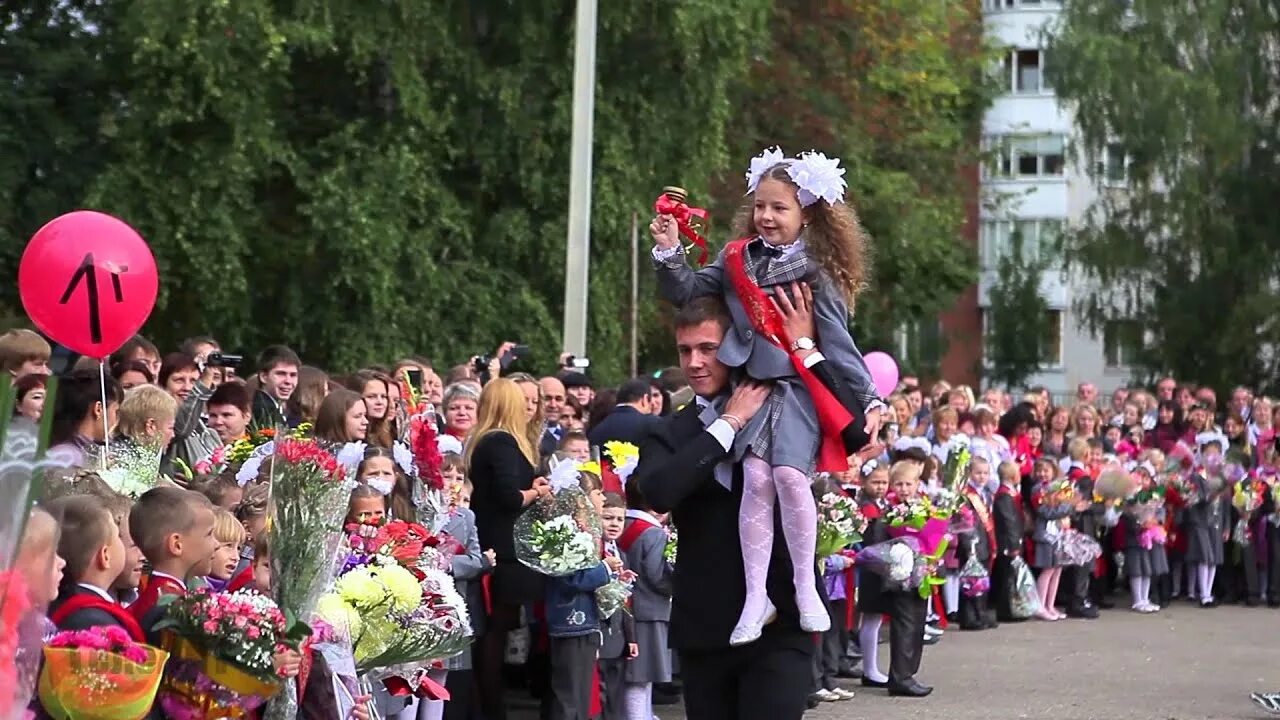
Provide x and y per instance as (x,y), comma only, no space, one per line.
(770,413)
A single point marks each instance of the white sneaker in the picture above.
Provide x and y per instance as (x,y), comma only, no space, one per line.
(826,696)
(931,630)
(842,694)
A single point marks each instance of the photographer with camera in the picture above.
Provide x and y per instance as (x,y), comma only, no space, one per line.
(191,383)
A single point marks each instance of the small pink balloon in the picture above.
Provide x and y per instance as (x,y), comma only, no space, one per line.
(884,372)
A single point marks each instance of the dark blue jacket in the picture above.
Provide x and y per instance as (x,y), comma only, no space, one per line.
(571,602)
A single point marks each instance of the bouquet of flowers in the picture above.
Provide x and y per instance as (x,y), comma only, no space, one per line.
(1025,600)
(955,473)
(902,563)
(309,502)
(560,534)
(1183,487)
(613,596)
(1078,548)
(222,647)
(1248,496)
(673,541)
(623,458)
(917,518)
(132,468)
(99,673)
(395,602)
(840,524)
(1114,485)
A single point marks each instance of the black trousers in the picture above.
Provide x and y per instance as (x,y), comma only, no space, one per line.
(1238,578)
(1001,595)
(571,662)
(461,687)
(612,683)
(1079,580)
(907,611)
(830,649)
(766,680)
(1273,564)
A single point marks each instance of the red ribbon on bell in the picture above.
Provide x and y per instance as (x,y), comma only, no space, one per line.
(691,221)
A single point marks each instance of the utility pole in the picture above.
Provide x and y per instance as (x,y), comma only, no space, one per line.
(579,243)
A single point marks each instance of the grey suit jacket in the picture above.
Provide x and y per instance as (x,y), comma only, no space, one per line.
(651,595)
(742,347)
(467,568)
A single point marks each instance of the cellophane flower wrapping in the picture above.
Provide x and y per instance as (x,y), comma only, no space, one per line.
(99,674)
(132,468)
(975,581)
(919,519)
(221,648)
(894,560)
(1078,548)
(310,497)
(840,524)
(671,549)
(559,534)
(1024,601)
(613,596)
(955,473)
(394,601)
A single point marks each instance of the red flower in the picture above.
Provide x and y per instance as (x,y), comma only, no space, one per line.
(405,540)
(422,441)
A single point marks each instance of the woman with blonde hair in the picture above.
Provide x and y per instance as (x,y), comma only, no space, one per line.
(1084,422)
(502,459)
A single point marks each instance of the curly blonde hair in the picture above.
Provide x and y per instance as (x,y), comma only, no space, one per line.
(834,237)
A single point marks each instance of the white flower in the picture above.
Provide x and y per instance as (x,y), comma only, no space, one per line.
(248,472)
(901,562)
(350,456)
(448,444)
(819,177)
(564,475)
(404,458)
(761,164)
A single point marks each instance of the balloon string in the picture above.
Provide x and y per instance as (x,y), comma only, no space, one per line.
(106,421)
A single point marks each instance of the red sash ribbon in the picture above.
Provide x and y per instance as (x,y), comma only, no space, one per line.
(86,601)
(833,417)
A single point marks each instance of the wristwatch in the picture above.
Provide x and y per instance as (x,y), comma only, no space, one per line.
(802,343)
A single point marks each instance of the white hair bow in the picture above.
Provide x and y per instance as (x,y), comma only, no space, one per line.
(819,178)
(564,475)
(870,466)
(761,164)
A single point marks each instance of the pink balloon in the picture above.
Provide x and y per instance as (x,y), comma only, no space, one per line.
(88,281)
(884,372)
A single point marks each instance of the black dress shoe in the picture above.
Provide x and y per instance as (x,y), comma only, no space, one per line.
(1105,604)
(1084,612)
(953,617)
(849,673)
(812,702)
(868,682)
(911,689)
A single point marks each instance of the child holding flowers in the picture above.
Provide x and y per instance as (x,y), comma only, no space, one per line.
(643,543)
(1052,503)
(872,605)
(1145,559)
(795,227)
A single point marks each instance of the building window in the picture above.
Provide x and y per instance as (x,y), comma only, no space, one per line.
(1027,67)
(920,345)
(1113,168)
(1027,156)
(1121,342)
(1051,347)
(998,5)
(1050,344)
(1041,240)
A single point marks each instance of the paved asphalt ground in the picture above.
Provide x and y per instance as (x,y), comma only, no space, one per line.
(1183,663)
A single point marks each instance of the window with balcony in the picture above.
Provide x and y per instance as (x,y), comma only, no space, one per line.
(1027,156)
(1041,240)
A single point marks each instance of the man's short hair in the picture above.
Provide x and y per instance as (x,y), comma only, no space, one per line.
(633,390)
(132,346)
(710,308)
(18,347)
(190,344)
(234,394)
(571,437)
(276,355)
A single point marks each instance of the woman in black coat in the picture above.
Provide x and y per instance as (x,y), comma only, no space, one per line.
(500,462)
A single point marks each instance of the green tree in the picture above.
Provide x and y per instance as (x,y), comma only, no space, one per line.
(1016,317)
(362,180)
(1188,250)
(896,88)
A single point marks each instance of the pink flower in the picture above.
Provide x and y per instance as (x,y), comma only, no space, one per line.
(241,621)
(253,632)
(210,627)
